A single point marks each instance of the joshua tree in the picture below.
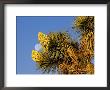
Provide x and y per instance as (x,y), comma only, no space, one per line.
(60,52)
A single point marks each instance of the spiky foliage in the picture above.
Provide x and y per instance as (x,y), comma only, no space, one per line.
(62,53)
(84,24)
(36,56)
(81,59)
(44,40)
(58,51)
(86,52)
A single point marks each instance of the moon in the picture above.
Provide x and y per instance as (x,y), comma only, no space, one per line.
(38,47)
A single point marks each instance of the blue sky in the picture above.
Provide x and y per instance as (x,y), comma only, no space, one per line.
(27,28)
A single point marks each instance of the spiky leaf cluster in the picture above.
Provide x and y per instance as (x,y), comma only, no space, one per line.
(62,53)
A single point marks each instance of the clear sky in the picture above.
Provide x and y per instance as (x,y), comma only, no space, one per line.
(27,30)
